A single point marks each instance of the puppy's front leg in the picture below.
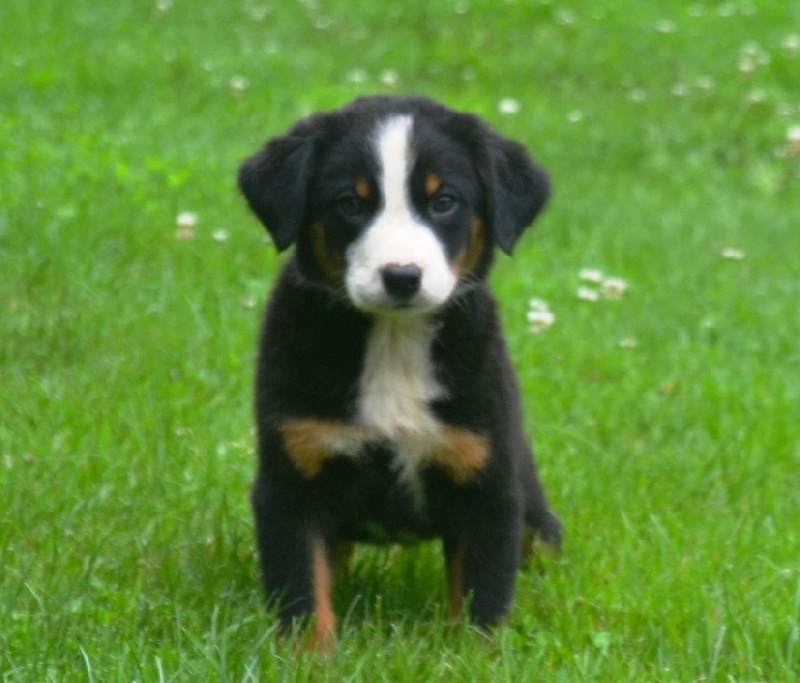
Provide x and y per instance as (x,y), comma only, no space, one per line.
(296,566)
(482,557)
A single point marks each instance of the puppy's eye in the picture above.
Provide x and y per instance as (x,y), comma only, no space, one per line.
(351,206)
(442,203)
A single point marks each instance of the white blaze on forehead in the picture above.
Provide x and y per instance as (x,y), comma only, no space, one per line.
(397,236)
(394,152)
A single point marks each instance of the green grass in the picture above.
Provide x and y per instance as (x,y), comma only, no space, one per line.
(126,354)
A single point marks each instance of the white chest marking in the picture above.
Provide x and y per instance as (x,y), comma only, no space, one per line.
(397,386)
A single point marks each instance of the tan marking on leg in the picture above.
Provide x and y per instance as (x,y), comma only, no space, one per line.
(324,634)
(455,585)
(363,188)
(462,453)
(467,260)
(311,443)
(332,264)
(433,184)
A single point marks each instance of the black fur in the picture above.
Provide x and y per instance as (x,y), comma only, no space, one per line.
(312,353)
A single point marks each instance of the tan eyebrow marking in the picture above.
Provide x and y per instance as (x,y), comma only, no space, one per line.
(433,184)
(363,189)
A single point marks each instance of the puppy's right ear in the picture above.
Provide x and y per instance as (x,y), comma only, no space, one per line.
(275,181)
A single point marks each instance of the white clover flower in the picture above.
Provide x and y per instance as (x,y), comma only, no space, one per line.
(791,45)
(637,95)
(540,318)
(747,64)
(793,138)
(390,78)
(566,17)
(732,254)
(220,235)
(540,321)
(508,105)
(590,275)
(751,56)
(538,305)
(187,219)
(679,90)
(259,13)
(587,294)
(705,83)
(356,76)
(613,288)
(726,9)
(666,26)
(239,84)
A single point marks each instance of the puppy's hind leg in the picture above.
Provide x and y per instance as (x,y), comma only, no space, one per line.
(541,522)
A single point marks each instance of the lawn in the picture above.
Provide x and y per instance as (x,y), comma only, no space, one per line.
(666,417)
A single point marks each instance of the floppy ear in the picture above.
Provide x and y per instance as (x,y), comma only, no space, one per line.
(517,188)
(274,181)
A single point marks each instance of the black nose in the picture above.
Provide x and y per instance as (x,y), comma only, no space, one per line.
(402,281)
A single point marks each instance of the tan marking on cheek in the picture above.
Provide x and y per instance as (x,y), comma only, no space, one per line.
(332,264)
(363,188)
(467,260)
(433,184)
(462,454)
(324,633)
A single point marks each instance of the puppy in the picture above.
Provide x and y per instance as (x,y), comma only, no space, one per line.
(387,408)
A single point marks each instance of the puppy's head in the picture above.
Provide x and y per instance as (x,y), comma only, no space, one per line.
(395,200)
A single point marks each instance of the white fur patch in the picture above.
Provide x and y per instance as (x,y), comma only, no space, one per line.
(397,387)
(397,236)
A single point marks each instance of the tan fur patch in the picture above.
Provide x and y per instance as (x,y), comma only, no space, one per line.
(332,264)
(466,261)
(363,188)
(324,633)
(311,443)
(462,454)
(433,184)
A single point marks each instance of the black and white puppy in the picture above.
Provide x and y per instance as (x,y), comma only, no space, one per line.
(386,405)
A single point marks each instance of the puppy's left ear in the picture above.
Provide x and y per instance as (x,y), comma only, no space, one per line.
(517,188)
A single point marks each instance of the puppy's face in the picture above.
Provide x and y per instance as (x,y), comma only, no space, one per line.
(393,201)
(396,215)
